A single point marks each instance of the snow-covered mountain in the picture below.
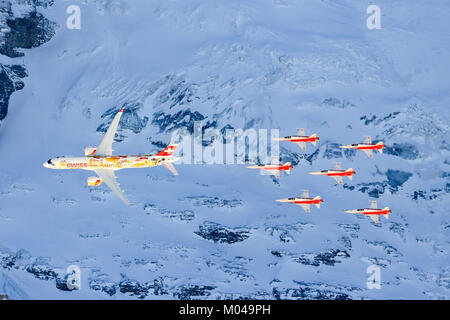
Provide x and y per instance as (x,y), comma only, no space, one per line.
(215,231)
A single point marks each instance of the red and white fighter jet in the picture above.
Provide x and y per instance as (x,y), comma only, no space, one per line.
(366,146)
(305,201)
(337,173)
(373,212)
(274,167)
(301,139)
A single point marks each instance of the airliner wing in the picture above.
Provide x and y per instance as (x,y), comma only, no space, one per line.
(302,145)
(374,217)
(368,152)
(110,179)
(338,179)
(170,167)
(105,147)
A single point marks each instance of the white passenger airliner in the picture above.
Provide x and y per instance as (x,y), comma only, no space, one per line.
(103,163)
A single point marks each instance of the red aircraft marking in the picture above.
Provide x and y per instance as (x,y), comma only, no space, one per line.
(307,139)
(308,202)
(372,147)
(77,165)
(277,168)
(340,174)
(167,151)
(92,153)
(312,201)
(378,212)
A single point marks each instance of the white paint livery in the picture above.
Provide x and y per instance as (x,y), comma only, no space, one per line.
(103,163)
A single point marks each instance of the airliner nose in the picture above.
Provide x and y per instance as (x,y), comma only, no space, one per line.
(48,164)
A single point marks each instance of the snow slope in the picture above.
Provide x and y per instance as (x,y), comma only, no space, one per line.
(215,231)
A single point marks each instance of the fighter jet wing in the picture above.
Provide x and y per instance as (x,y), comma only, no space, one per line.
(301,132)
(338,179)
(373,205)
(301,145)
(110,179)
(275,160)
(368,140)
(276,173)
(170,167)
(368,152)
(374,217)
(105,147)
(337,166)
(305,194)
(305,207)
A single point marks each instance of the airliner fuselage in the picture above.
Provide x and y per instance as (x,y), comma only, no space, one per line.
(107,162)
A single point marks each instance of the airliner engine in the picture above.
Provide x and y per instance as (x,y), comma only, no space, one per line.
(94,181)
(90,151)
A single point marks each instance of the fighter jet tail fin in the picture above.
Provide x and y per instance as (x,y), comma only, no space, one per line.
(380,144)
(386,215)
(350,176)
(288,171)
(318,198)
(314,143)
